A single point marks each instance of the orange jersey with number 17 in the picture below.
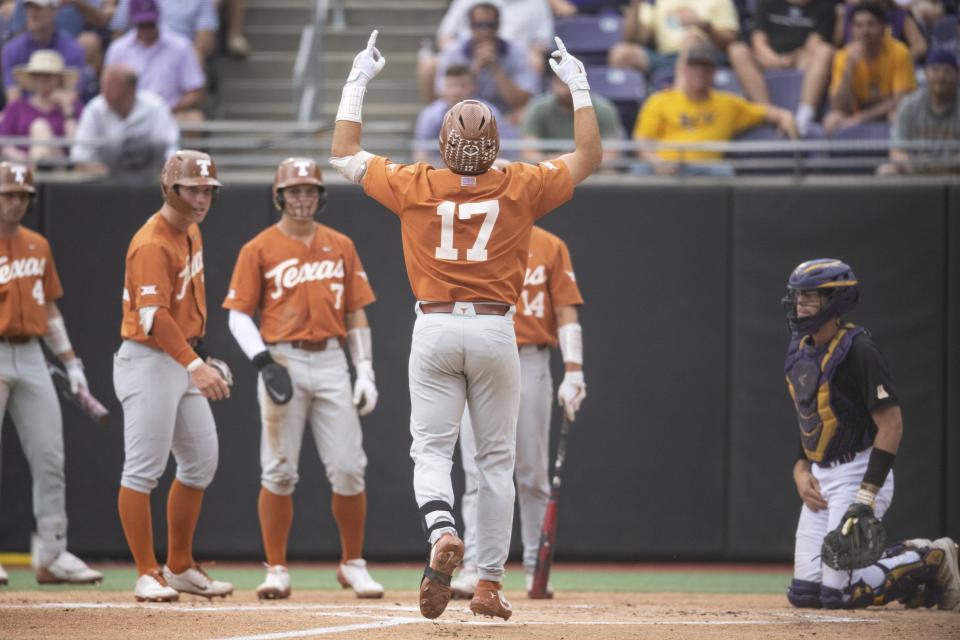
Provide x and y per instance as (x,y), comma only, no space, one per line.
(550,283)
(465,238)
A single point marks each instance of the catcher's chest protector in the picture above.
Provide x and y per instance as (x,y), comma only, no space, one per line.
(810,371)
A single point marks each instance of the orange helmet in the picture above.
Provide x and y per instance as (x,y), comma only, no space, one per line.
(295,171)
(190,169)
(16,178)
(469,139)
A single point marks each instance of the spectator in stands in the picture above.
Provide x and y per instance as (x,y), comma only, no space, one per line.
(901,25)
(930,114)
(696,112)
(235,11)
(165,62)
(503,74)
(458,84)
(788,34)
(568,8)
(41,33)
(82,19)
(655,32)
(524,23)
(46,109)
(195,20)
(123,131)
(550,117)
(870,75)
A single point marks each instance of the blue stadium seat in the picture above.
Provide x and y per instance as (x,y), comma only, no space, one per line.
(784,87)
(590,37)
(625,88)
(724,80)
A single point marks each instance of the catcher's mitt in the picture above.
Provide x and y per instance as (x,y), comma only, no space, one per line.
(857,542)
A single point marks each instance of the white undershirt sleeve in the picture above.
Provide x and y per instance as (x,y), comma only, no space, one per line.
(246,333)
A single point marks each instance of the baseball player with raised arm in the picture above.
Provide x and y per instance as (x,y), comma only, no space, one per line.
(307,284)
(164,380)
(29,288)
(850,430)
(466,234)
(546,317)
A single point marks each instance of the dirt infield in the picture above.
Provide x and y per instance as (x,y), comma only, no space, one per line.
(570,615)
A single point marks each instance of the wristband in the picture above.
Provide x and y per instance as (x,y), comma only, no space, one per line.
(351,102)
(581,98)
(866,496)
(571,342)
(262,359)
(878,467)
(193,366)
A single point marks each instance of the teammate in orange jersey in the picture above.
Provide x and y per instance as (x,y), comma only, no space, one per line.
(29,288)
(307,284)
(164,379)
(546,317)
(466,232)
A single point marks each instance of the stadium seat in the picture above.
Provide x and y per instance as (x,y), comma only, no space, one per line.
(784,87)
(625,88)
(590,37)
(946,33)
(724,80)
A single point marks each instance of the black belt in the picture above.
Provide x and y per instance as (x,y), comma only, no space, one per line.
(16,339)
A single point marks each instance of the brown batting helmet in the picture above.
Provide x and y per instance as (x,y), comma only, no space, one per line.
(297,171)
(190,169)
(469,139)
(16,178)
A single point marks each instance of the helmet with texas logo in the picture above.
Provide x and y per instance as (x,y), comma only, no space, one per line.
(16,178)
(186,168)
(298,171)
(469,139)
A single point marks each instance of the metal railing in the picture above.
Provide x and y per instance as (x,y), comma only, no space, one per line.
(307,84)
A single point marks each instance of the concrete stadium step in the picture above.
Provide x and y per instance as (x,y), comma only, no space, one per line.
(279,12)
(281,89)
(376,13)
(391,39)
(273,37)
(335,65)
(261,64)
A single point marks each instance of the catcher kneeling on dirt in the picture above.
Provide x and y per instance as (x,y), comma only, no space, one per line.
(850,430)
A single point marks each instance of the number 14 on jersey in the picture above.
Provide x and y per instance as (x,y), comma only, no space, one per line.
(450,211)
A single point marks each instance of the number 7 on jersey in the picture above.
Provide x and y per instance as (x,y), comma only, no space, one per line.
(448,211)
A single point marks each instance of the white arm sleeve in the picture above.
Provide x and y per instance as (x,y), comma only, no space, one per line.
(56,337)
(146,318)
(246,333)
(571,342)
(354,167)
(360,343)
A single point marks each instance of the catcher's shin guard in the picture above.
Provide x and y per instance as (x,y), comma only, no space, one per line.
(804,594)
(912,583)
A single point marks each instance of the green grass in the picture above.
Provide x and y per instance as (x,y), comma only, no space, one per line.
(406,579)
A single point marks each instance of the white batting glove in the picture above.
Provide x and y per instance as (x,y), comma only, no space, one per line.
(571,393)
(367,64)
(75,375)
(365,388)
(568,68)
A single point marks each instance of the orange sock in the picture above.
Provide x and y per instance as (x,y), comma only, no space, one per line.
(183,511)
(134,508)
(350,512)
(276,517)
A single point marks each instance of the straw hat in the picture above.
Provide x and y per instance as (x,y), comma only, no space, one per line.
(45,61)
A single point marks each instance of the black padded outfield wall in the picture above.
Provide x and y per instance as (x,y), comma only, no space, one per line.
(684,447)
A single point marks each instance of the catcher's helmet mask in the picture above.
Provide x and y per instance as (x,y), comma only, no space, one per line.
(837,285)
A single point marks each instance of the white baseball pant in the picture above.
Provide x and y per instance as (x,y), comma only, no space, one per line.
(838,486)
(322,397)
(163,412)
(533,458)
(26,390)
(463,359)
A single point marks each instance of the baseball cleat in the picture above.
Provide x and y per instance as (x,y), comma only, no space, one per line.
(151,587)
(528,582)
(489,601)
(445,557)
(196,581)
(67,568)
(3,577)
(353,574)
(465,584)
(949,575)
(276,586)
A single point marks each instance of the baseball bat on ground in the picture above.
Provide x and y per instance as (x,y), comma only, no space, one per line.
(83,399)
(548,531)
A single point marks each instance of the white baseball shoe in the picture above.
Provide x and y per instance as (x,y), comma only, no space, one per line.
(3,577)
(196,581)
(353,574)
(465,584)
(949,574)
(276,586)
(528,581)
(151,587)
(67,568)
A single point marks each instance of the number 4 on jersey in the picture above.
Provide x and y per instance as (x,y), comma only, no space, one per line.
(37,293)
(447,211)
